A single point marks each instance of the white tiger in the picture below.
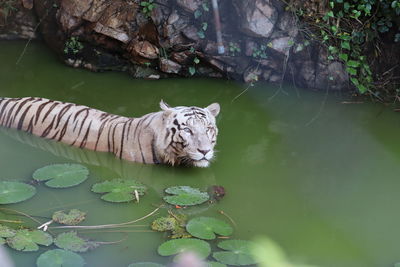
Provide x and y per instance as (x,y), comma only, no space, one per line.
(174,135)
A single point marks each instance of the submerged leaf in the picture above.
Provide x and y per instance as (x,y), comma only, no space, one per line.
(59,258)
(71,241)
(145,264)
(6,231)
(175,224)
(119,190)
(172,247)
(238,252)
(73,217)
(13,192)
(185,196)
(214,264)
(62,175)
(28,240)
(205,227)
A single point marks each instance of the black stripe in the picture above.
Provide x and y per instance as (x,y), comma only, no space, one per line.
(64,128)
(62,113)
(82,123)
(153,151)
(50,109)
(122,140)
(2,110)
(48,129)
(21,120)
(39,110)
(23,103)
(9,114)
(84,140)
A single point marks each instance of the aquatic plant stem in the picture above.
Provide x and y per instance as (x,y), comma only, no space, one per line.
(22,213)
(118,231)
(229,217)
(104,226)
(10,221)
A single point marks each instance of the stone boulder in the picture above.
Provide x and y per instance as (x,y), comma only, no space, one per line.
(257,18)
(144,49)
(169,66)
(189,5)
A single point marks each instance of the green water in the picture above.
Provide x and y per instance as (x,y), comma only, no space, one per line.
(319,177)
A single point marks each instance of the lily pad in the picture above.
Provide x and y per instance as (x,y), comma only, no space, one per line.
(185,196)
(119,190)
(238,252)
(6,231)
(145,264)
(28,240)
(205,227)
(13,192)
(61,175)
(59,258)
(176,246)
(71,241)
(73,217)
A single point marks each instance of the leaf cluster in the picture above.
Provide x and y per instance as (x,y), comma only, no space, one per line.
(147,7)
(73,45)
(350,29)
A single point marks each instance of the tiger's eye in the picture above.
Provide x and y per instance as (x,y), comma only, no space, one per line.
(187,130)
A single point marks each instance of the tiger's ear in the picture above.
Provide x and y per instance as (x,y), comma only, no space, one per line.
(214,109)
(166,108)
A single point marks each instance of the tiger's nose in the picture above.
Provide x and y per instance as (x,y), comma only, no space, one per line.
(204,152)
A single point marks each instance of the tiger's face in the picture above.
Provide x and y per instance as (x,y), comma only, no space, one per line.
(191,134)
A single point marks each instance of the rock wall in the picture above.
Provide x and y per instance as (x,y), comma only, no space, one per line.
(168,38)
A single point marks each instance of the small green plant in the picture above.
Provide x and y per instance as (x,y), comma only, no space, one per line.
(234,48)
(192,69)
(148,6)
(73,45)
(202,32)
(199,12)
(260,52)
(164,53)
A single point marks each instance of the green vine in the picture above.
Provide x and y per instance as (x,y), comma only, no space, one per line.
(351,30)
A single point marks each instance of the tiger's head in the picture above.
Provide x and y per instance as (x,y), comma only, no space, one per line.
(190,134)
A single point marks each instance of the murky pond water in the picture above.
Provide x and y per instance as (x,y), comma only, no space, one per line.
(319,177)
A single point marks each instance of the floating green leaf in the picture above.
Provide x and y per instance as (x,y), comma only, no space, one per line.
(145,264)
(172,247)
(71,241)
(62,175)
(28,240)
(73,217)
(119,190)
(13,192)
(205,227)
(6,231)
(59,258)
(185,196)
(238,252)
